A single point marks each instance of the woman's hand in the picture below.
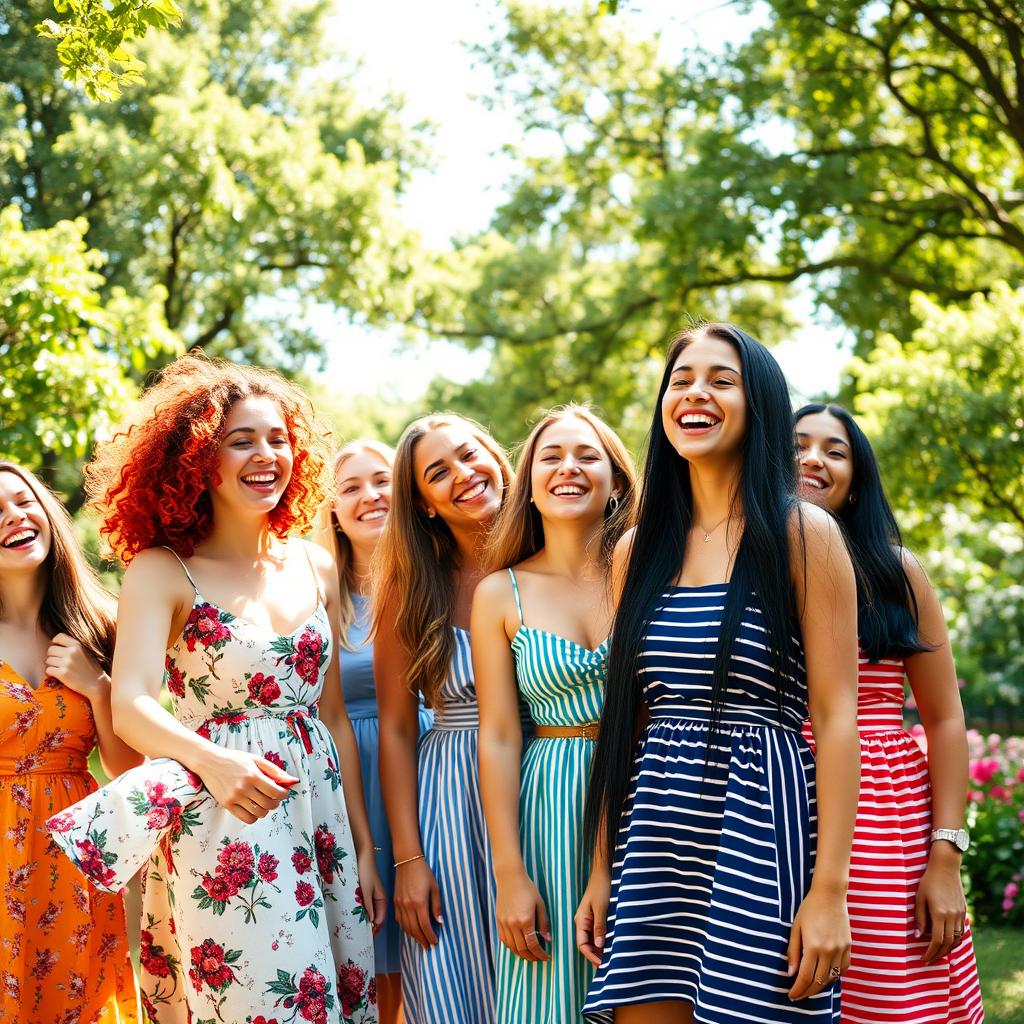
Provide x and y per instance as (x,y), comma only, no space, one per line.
(819,943)
(592,913)
(417,902)
(250,787)
(940,910)
(375,899)
(522,917)
(67,661)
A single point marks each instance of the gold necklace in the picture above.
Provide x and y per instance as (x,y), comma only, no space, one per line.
(707,533)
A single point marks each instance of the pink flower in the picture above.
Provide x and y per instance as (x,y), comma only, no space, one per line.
(999,793)
(1021,815)
(267,867)
(61,823)
(219,887)
(324,842)
(301,861)
(982,770)
(158,818)
(275,758)
(976,796)
(304,894)
(1011,890)
(1020,774)
(351,982)
(209,968)
(1007,905)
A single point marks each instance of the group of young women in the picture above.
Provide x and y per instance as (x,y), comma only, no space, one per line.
(573,745)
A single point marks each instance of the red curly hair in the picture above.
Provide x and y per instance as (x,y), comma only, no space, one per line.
(150,482)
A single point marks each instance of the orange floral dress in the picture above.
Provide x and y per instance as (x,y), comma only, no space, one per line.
(63,945)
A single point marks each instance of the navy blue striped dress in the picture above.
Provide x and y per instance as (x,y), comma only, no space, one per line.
(453,983)
(712,861)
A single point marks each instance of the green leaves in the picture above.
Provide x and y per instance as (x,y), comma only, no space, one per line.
(91,41)
(64,352)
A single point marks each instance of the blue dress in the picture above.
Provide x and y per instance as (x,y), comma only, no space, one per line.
(361,704)
(712,862)
(453,983)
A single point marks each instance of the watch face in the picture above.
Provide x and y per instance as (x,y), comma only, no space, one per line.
(962,840)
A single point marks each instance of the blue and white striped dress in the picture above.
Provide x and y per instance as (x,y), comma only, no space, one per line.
(453,983)
(712,862)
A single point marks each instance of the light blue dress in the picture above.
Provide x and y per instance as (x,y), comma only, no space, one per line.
(361,704)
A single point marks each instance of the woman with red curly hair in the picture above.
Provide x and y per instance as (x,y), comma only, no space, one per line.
(258,815)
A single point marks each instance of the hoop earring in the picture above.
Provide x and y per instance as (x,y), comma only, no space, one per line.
(431,513)
(852,499)
(614,502)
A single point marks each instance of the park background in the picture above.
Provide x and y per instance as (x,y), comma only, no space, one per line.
(496,205)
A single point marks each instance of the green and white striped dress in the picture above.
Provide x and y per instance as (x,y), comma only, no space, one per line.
(563,684)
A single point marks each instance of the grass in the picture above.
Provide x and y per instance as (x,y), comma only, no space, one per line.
(1000,953)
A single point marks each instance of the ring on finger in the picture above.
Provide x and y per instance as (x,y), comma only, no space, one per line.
(835,971)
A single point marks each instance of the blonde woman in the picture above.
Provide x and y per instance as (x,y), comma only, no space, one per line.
(540,633)
(351,526)
(449,482)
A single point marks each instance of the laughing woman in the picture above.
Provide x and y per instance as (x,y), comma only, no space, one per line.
(252,900)
(353,525)
(449,482)
(913,960)
(63,948)
(726,892)
(540,633)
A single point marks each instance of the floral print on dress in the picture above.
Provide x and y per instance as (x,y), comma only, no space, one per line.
(63,950)
(259,923)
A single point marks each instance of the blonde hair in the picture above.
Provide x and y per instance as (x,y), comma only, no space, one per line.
(518,531)
(74,601)
(417,557)
(330,535)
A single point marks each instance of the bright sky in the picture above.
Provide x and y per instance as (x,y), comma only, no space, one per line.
(417,49)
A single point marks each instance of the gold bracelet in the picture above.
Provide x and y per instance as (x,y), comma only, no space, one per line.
(409,860)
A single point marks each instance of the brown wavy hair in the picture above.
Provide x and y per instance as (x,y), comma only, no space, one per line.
(417,557)
(330,535)
(518,531)
(150,482)
(74,600)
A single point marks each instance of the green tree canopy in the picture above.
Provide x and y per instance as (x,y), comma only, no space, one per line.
(864,149)
(246,176)
(66,356)
(93,40)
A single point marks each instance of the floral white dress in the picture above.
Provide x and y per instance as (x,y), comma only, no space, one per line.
(242,924)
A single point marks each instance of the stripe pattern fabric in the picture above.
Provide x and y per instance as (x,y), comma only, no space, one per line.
(718,835)
(888,981)
(562,682)
(453,983)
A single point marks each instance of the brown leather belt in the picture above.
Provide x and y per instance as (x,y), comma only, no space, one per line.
(585,731)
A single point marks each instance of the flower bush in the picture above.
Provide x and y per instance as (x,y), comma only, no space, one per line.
(994,863)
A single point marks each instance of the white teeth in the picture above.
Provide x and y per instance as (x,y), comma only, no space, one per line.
(814,482)
(260,478)
(473,492)
(18,537)
(373,515)
(569,489)
(697,419)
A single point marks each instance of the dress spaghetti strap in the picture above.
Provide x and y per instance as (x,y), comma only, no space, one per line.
(515,591)
(316,575)
(183,565)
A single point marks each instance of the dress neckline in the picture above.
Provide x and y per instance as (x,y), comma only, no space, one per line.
(259,625)
(593,651)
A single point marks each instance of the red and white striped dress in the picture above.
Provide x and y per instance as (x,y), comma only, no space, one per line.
(888,981)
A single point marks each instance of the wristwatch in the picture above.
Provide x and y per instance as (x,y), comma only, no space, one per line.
(957,836)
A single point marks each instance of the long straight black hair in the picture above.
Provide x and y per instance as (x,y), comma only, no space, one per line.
(886,607)
(766,496)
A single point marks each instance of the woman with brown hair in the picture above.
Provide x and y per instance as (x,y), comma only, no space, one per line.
(63,950)
(351,526)
(449,482)
(256,899)
(540,633)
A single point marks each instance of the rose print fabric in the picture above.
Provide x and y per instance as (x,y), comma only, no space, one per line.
(63,946)
(242,924)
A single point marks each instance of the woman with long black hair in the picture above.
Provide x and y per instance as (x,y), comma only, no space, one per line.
(726,895)
(912,959)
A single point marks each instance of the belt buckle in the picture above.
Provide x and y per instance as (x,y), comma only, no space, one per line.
(587,731)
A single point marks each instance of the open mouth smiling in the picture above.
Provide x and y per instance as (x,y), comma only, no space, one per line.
(21,539)
(372,515)
(264,481)
(698,423)
(472,493)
